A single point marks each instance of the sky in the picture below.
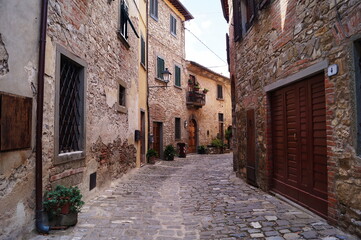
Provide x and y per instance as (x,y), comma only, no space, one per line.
(210,27)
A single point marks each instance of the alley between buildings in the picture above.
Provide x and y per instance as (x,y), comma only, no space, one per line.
(194,198)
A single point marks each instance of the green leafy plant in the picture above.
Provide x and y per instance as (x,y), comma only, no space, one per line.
(216,142)
(151,153)
(62,197)
(205,90)
(201,149)
(169,152)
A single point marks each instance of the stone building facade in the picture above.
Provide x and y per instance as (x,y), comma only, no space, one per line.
(296,72)
(166,44)
(209,112)
(93,79)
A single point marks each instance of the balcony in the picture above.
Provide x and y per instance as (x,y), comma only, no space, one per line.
(195,99)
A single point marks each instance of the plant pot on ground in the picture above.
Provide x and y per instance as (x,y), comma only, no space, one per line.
(151,155)
(169,153)
(202,149)
(63,205)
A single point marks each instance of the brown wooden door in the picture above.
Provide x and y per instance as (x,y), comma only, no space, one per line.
(192,136)
(157,138)
(251,148)
(299,143)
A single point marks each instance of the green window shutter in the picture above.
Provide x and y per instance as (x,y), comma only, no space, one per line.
(142,54)
(177,79)
(160,67)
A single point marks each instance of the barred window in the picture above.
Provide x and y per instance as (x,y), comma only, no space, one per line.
(71,106)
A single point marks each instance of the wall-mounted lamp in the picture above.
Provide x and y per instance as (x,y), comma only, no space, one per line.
(166,79)
(185,124)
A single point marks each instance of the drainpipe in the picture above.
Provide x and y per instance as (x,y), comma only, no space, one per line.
(40,226)
(147,24)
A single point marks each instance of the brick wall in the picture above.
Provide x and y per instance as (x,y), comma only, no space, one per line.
(287,37)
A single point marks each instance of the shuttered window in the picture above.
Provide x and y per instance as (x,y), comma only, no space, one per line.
(154,9)
(244,14)
(173,25)
(177,129)
(219,92)
(142,51)
(124,20)
(237,20)
(15,122)
(160,67)
(177,77)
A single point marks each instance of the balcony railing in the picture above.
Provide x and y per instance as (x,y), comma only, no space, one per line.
(196,99)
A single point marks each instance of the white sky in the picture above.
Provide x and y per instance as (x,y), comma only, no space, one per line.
(210,27)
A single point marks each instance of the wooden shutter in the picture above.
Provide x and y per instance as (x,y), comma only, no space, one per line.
(177,128)
(263,3)
(15,119)
(237,20)
(177,71)
(251,13)
(156,8)
(142,45)
(160,67)
(219,92)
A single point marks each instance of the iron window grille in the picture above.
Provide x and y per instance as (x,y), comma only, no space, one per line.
(173,25)
(71,107)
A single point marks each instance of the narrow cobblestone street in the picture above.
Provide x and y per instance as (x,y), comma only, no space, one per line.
(194,198)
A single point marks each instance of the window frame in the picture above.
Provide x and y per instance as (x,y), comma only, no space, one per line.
(244,17)
(173,25)
(124,20)
(175,76)
(177,131)
(153,9)
(122,107)
(219,92)
(143,54)
(60,158)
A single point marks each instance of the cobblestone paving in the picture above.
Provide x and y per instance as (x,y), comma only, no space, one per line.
(194,198)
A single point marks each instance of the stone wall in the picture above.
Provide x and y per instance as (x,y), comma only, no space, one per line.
(88,30)
(287,37)
(166,104)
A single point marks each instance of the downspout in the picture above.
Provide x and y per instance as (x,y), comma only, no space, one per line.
(147,24)
(40,226)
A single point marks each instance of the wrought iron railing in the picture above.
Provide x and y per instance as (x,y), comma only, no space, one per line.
(196,98)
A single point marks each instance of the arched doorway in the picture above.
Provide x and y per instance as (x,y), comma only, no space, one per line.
(192,136)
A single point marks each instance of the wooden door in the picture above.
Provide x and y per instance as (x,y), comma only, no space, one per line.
(251,148)
(299,146)
(192,136)
(157,138)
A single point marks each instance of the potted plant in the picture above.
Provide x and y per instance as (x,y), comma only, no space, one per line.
(151,155)
(190,82)
(196,88)
(202,149)
(169,153)
(63,205)
(205,90)
(218,144)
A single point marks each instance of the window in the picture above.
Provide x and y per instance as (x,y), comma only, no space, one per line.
(220,117)
(124,20)
(121,95)
(142,51)
(177,76)
(160,68)
(173,25)
(177,129)
(154,9)
(219,92)
(71,127)
(244,15)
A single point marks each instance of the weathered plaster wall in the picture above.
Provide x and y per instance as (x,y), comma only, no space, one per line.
(287,37)
(167,103)
(18,66)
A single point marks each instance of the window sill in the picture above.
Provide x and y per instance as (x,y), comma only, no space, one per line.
(154,17)
(143,66)
(159,79)
(123,40)
(120,108)
(173,34)
(68,157)
(179,87)
(220,99)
